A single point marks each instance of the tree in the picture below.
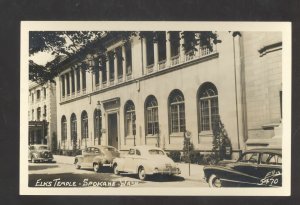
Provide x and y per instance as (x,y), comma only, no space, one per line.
(89,46)
(220,141)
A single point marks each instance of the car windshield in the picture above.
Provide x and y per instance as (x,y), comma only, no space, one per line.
(156,152)
(111,149)
(42,147)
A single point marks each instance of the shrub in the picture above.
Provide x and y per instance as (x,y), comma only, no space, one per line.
(209,159)
(196,157)
(175,155)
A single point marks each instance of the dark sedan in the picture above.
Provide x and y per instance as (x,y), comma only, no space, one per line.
(96,157)
(255,168)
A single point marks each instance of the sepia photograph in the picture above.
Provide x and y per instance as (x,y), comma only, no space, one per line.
(155,108)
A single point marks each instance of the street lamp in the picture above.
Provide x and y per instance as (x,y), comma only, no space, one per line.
(98,107)
(188,136)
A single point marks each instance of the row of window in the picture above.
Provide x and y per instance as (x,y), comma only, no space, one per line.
(38,113)
(38,95)
(117,67)
(208,112)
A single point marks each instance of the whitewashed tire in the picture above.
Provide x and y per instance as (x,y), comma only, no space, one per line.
(214,181)
(142,174)
(116,171)
(96,167)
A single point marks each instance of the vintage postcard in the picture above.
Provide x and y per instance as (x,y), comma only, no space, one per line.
(155,108)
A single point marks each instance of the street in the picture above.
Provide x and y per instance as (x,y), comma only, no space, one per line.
(65,175)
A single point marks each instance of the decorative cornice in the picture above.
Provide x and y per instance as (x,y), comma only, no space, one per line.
(270,48)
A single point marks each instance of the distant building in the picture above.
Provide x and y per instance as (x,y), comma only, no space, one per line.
(42,114)
(151,91)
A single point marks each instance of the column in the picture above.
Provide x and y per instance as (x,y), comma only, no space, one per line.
(168,49)
(100,78)
(75,80)
(80,79)
(155,46)
(61,87)
(182,53)
(66,86)
(115,67)
(107,72)
(70,82)
(198,47)
(240,98)
(144,56)
(124,62)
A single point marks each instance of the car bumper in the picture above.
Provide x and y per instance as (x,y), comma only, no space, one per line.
(167,171)
(43,159)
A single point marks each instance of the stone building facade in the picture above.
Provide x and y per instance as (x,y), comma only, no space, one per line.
(151,92)
(42,114)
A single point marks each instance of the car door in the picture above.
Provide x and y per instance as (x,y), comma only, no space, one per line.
(270,169)
(129,161)
(247,165)
(88,156)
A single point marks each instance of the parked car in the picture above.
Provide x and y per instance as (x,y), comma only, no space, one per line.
(145,161)
(96,157)
(39,153)
(255,168)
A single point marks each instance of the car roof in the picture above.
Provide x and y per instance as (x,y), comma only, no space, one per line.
(145,147)
(265,150)
(102,146)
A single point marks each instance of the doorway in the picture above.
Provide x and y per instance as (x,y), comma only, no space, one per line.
(113,130)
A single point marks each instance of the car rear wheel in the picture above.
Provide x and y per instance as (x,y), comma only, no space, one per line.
(77,165)
(96,167)
(116,171)
(214,181)
(142,174)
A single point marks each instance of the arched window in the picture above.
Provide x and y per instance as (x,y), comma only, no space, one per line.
(151,111)
(208,106)
(74,130)
(97,126)
(63,129)
(130,127)
(84,127)
(177,112)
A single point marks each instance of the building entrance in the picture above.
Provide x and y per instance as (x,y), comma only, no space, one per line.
(113,130)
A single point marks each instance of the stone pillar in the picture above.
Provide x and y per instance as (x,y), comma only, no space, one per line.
(182,53)
(144,56)
(115,67)
(124,62)
(107,72)
(70,82)
(168,49)
(100,78)
(75,81)
(198,47)
(81,79)
(155,66)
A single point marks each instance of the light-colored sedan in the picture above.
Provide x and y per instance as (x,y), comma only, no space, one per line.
(145,161)
(96,157)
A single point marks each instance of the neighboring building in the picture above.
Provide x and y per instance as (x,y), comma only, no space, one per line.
(151,92)
(42,113)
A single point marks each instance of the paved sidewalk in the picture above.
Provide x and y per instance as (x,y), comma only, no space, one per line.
(196,171)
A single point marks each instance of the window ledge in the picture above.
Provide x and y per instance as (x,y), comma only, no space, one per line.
(205,134)
(152,136)
(177,134)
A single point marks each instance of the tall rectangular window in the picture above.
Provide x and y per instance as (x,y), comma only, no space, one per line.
(175,43)
(38,95)
(97,80)
(38,114)
(63,85)
(72,82)
(150,51)
(45,92)
(119,61)
(68,83)
(83,79)
(111,65)
(128,58)
(161,40)
(78,79)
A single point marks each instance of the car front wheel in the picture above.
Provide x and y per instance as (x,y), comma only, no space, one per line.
(33,160)
(142,174)
(96,167)
(214,181)
(77,165)
(116,171)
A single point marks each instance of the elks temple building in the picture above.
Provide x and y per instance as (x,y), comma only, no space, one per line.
(151,91)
